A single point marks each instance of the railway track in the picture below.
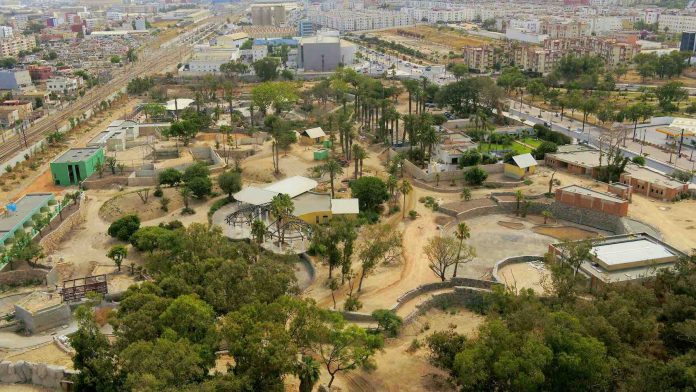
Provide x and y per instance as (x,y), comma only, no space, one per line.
(151,63)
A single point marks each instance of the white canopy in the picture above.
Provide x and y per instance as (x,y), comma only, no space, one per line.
(314,132)
(179,104)
(255,196)
(524,160)
(345,206)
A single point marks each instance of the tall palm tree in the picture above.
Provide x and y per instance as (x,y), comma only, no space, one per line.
(333,168)
(357,149)
(461,233)
(405,189)
(412,87)
(410,129)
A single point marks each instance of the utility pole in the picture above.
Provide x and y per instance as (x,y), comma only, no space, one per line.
(681,141)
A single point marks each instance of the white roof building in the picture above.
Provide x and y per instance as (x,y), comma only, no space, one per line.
(293,186)
(178,104)
(314,132)
(524,161)
(345,206)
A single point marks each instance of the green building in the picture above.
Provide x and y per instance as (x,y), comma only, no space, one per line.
(75,165)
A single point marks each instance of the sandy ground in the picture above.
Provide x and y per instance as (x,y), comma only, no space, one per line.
(22,388)
(401,370)
(523,275)
(47,353)
(130,202)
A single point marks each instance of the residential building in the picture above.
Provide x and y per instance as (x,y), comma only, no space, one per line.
(602,202)
(210,58)
(116,135)
(564,29)
(40,72)
(305,28)
(688,41)
(62,85)
(320,53)
(15,80)
(267,15)
(9,117)
(677,23)
(6,32)
(11,46)
(76,165)
(481,59)
(24,108)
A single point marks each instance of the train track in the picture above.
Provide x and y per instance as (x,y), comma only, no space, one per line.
(150,64)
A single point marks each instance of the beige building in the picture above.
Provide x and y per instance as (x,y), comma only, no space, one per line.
(480,59)
(267,15)
(11,46)
(564,29)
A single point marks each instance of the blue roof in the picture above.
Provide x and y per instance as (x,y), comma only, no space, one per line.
(275,41)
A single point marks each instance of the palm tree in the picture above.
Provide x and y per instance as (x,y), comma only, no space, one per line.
(461,233)
(412,87)
(357,149)
(392,183)
(362,155)
(693,147)
(405,189)
(519,196)
(258,230)
(466,194)
(547,215)
(333,168)
(308,372)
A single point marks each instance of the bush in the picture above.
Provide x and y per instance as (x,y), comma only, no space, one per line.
(475,176)
(544,148)
(217,205)
(387,322)
(638,160)
(371,192)
(681,176)
(158,192)
(470,158)
(545,133)
(230,182)
(413,214)
(149,238)
(170,177)
(124,227)
(444,346)
(200,186)
(197,170)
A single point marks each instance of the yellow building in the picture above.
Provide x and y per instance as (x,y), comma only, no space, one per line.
(520,166)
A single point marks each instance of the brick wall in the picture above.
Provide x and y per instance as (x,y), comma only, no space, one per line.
(593,203)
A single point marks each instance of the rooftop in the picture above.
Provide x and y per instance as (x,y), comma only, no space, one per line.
(310,202)
(293,186)
(25,207)
(320,39)
(590,192)
(524,160)
(653,177)
(623,254)
(77,154)
(345,206)
(584,158)
(314,132)
(39,300)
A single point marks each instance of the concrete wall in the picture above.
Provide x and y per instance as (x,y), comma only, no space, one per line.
(40,374)
(44,319)
(72,217)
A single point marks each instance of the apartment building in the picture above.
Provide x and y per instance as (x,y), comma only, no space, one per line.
(23,108)
(6,32)
(40,72)
(536,59)
(677,23)
(11,46)
(62,85)
(565,29)
(480,59)
(15,80)
(344,21)
(610,50)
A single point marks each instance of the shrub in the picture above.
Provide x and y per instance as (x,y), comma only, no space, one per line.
(413,214)
(470,158)
(158,192)
(387,322)
(638,160)
(164,204)
(352,304)
(124,227)
(544,148)
(444,346)
(149,238)
(230,182)
(200,186)
(545,133)
(197,170)
(217,205)
(475,176)
(170,177)
(681,175)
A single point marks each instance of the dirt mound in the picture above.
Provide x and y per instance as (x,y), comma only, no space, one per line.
(131,203)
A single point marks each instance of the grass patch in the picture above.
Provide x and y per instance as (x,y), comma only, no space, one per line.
(517,148)
(532,142)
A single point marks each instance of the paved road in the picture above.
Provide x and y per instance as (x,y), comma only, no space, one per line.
(657,159)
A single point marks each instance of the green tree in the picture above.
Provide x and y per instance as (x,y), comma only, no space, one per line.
(281,208)
(230,182)
(124,227)
(387,322)
(371,192)
(170,177)
(93,357)
(331,167)
(669,93)
(266,69)
(308,371)
(405,188)
(117,253)
(475,176)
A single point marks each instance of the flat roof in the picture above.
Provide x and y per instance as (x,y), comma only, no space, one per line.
(77,154)
(645,174)
(293,186)
(584,158)
(178,104)
(345,206)
(314,132)
(27,206)
(630,252)
(590,192)
(320,39)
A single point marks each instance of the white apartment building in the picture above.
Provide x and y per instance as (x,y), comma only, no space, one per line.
(651,15)
(61,85)
(360,20)
(604,24)
(531,37)
(677,23)
(5,32)
(440,15)
(209,59)
(533,25)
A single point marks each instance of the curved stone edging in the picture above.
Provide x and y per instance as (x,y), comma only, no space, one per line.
(304,259)
(512,260)
(41,374)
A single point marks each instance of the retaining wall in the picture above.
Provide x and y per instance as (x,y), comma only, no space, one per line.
(50,242)
(512,260)
(105,182)
(40,374)
(586,217)
(461,296)
(22,277)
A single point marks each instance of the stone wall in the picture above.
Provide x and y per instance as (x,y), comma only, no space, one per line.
(22,277)
(52,240)
(40,374)
(105,182)
(512,260)
(583,216)
(460,296)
